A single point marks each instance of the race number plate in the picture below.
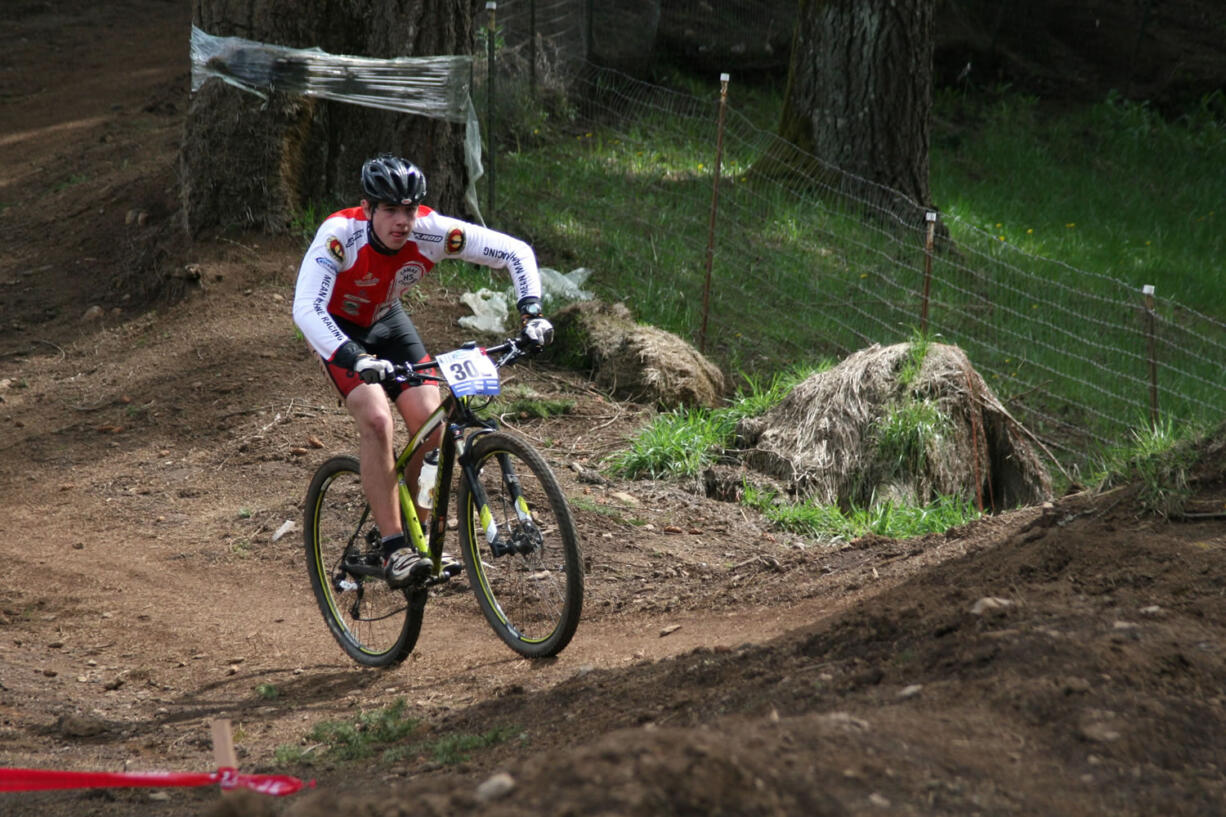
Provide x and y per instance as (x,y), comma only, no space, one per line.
(469,372)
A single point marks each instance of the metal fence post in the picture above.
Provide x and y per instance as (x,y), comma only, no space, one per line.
(1148,292)
(719,155)
(931,218)
(490,6)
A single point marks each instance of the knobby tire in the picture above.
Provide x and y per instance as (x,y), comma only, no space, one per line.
(374,624)
(532,599)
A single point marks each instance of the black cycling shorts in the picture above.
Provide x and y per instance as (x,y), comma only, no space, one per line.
(392,337)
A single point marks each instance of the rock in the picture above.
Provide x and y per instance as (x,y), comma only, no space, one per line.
(989,604)
(80,726)
(823,439)
(634,361)
(92,314)
(495,787)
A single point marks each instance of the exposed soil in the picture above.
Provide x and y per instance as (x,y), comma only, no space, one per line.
(722,667)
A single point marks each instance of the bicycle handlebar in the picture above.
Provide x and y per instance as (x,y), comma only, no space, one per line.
(511,349)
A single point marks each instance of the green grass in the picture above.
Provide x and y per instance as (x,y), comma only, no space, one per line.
(905,434)
(384,735)
(897,521)
(678,443)
(682,442)
(454,749)
(1157,460)
(1111,188)
(522,402)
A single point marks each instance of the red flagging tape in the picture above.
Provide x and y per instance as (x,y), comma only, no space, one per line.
(41,779)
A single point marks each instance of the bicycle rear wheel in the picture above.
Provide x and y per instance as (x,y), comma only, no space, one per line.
(529,581)
(375,625)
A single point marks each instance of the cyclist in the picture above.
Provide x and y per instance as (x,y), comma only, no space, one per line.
(347,304)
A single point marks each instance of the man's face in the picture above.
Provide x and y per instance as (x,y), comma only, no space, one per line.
(392,223)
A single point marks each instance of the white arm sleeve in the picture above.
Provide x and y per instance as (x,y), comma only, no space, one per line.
(490,248)
(316,280)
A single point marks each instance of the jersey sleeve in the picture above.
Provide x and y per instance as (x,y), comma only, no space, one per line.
(317,275)
(480,245)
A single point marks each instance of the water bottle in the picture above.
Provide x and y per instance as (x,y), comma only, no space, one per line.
(426,479)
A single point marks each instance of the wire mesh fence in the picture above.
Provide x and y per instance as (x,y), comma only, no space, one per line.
(803,262)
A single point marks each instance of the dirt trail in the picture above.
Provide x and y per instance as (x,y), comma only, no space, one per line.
(148,457)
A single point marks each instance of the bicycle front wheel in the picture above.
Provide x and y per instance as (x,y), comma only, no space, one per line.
(520,549)
(375,625)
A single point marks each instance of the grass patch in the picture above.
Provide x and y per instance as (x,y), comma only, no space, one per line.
(904,435)
(370,733)
(1081,185)
(384,733)
(917,350)
(615,513)
(1157,460)
(682,442)
(525,403)
(897,521)
(453,749)
(678,443)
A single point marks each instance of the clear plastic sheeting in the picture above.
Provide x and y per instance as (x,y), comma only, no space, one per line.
(436,87)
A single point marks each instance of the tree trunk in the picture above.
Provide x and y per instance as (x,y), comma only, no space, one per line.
(246,162)
(859,95)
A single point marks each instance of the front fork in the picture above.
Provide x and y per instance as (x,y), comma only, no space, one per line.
(499,546)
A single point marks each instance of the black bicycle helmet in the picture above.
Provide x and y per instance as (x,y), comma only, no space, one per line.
(392,179)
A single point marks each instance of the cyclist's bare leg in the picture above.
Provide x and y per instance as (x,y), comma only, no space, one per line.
(369,407)
(416,405)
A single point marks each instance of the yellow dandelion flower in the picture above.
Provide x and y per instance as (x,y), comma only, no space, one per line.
(1071,224)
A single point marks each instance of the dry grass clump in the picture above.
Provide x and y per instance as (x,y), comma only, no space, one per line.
(908,422)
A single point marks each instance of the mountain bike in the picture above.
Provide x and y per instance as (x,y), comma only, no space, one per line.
(517,536)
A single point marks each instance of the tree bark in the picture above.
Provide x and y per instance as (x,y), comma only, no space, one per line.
(249,163)
(859,95)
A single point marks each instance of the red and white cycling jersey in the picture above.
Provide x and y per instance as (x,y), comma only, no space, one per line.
(343,275)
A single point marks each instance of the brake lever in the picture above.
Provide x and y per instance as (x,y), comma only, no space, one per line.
(512,354)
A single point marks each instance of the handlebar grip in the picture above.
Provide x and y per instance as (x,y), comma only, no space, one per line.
(369,376)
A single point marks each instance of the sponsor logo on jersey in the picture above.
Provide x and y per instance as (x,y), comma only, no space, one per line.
(352,304)
(327,263)
(410,273)
(429,238)
(455,240)
(493,253)
(335,249)
(367,280)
